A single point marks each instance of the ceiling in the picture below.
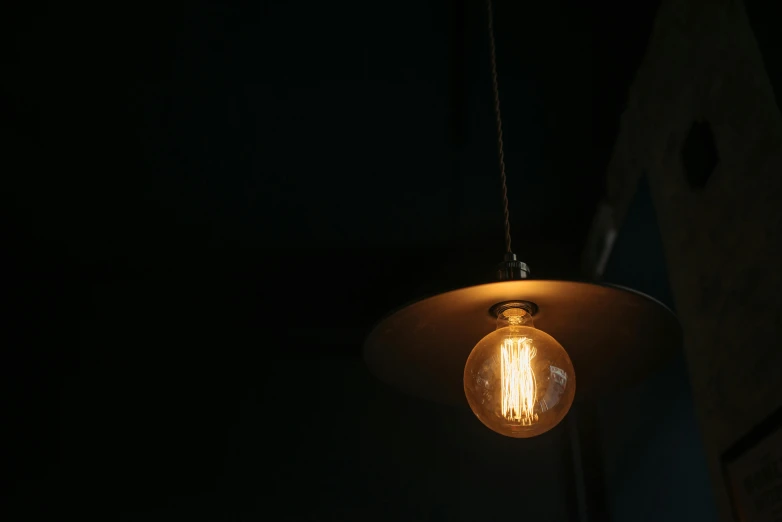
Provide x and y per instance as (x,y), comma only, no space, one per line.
(200,189)
(344,144)
(261,127)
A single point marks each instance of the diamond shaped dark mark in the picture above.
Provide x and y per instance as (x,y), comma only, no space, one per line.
(699,154)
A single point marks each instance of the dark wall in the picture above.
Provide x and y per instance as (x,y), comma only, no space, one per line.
(229,388)
(178,398)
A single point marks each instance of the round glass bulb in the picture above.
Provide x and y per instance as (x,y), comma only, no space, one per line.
(519,381)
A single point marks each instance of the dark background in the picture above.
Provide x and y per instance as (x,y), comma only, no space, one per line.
(207,205)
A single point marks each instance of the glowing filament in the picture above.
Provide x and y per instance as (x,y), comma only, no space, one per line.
(518,380)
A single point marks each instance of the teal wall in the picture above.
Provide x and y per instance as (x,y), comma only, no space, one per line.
(654,463)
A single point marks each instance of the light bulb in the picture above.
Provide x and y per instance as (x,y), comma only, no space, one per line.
(519,381)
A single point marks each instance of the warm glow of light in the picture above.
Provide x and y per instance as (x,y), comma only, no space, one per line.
(518,380)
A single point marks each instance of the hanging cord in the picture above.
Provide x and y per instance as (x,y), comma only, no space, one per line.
(496,89)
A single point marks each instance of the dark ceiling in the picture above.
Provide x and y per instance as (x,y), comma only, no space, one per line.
(196,191)
(247,128)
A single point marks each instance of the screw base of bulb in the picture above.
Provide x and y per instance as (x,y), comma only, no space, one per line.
(530,307)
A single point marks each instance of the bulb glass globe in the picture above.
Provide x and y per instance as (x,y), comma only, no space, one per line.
(518,380)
